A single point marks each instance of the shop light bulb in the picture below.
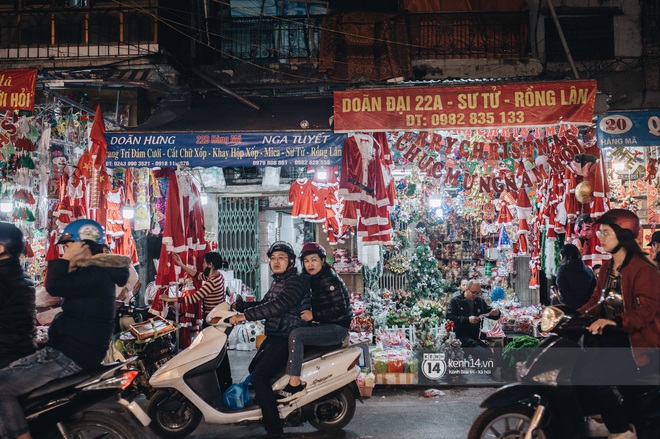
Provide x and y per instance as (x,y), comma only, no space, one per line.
(435,200)
(438,213)
(203,198)
(618,166)
(5,205)
(128,212)
(322,174)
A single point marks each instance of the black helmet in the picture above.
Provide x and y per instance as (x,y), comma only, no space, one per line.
(281,246)
(12,239)
(625,219)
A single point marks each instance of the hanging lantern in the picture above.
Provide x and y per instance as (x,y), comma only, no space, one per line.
(584,192)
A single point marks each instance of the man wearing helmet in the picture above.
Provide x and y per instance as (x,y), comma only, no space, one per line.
(329,305)
(17,306)
(281,308)
(635,278)
(79,336)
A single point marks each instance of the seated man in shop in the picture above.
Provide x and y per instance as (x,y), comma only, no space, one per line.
(467,311)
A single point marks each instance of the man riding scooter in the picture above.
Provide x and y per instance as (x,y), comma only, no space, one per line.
(280,307)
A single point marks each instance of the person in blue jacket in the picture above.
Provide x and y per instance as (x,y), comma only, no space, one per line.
(78,338)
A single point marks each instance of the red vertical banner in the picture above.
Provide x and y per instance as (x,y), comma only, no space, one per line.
(17,89)
(652,210)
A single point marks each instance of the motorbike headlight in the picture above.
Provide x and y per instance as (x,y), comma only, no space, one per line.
(550,318)
(549,377)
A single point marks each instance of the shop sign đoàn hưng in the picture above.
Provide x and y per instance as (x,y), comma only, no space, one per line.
(192,150)
(17,89)
(465,107)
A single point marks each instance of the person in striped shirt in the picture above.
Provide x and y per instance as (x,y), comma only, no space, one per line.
(210,287)
(209,284)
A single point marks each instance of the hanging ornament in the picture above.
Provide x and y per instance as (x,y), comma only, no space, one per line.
(503,241)
(489,211)
(488,268)
(584,192)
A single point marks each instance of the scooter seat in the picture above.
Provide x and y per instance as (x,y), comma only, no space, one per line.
(63,383)
(317,351)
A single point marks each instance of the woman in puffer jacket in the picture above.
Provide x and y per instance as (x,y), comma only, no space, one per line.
(328,305)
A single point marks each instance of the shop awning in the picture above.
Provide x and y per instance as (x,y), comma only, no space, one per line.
(221,132)
(225,114)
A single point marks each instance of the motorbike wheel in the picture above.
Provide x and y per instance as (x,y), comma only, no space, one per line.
(334,412)
(505,423)
(97,424)
(172,414)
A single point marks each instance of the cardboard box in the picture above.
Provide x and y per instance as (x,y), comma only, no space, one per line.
(396,378)
(151,328)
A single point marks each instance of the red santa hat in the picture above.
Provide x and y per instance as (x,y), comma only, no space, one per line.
(523,205)
(601,193)
(523,231)
(505,216)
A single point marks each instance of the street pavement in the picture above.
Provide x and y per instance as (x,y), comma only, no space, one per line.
(392,412)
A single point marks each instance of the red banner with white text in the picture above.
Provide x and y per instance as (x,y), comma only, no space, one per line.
(17,89)
(465,107)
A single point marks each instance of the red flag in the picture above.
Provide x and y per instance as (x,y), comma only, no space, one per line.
(99,149)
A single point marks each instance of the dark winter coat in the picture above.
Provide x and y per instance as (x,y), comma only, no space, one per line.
(576,283)
(329,299)
(458,312)
(17,312)
(282,304)
(82,331)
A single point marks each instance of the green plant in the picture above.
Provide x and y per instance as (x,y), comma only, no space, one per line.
(516,351)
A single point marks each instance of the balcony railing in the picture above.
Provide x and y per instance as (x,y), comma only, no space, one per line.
(495,34)
(125,31)
(78,33)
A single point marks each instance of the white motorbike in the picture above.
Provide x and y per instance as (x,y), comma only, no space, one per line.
(187,388)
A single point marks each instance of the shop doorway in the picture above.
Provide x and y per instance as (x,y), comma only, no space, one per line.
(238,237)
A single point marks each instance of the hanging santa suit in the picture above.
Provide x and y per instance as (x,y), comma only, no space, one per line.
(114,225)
(362,181)
(302,194)
(321,192)
(183,234)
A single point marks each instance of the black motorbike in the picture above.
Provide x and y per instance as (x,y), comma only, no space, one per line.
(151,352)
(63,408)
(544,403)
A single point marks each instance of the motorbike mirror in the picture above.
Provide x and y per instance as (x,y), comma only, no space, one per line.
(218,315)
(614,299)
(550,318)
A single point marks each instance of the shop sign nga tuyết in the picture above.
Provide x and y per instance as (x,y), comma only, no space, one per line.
(206,149)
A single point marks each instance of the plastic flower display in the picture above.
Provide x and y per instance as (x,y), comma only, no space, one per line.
(430,309)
